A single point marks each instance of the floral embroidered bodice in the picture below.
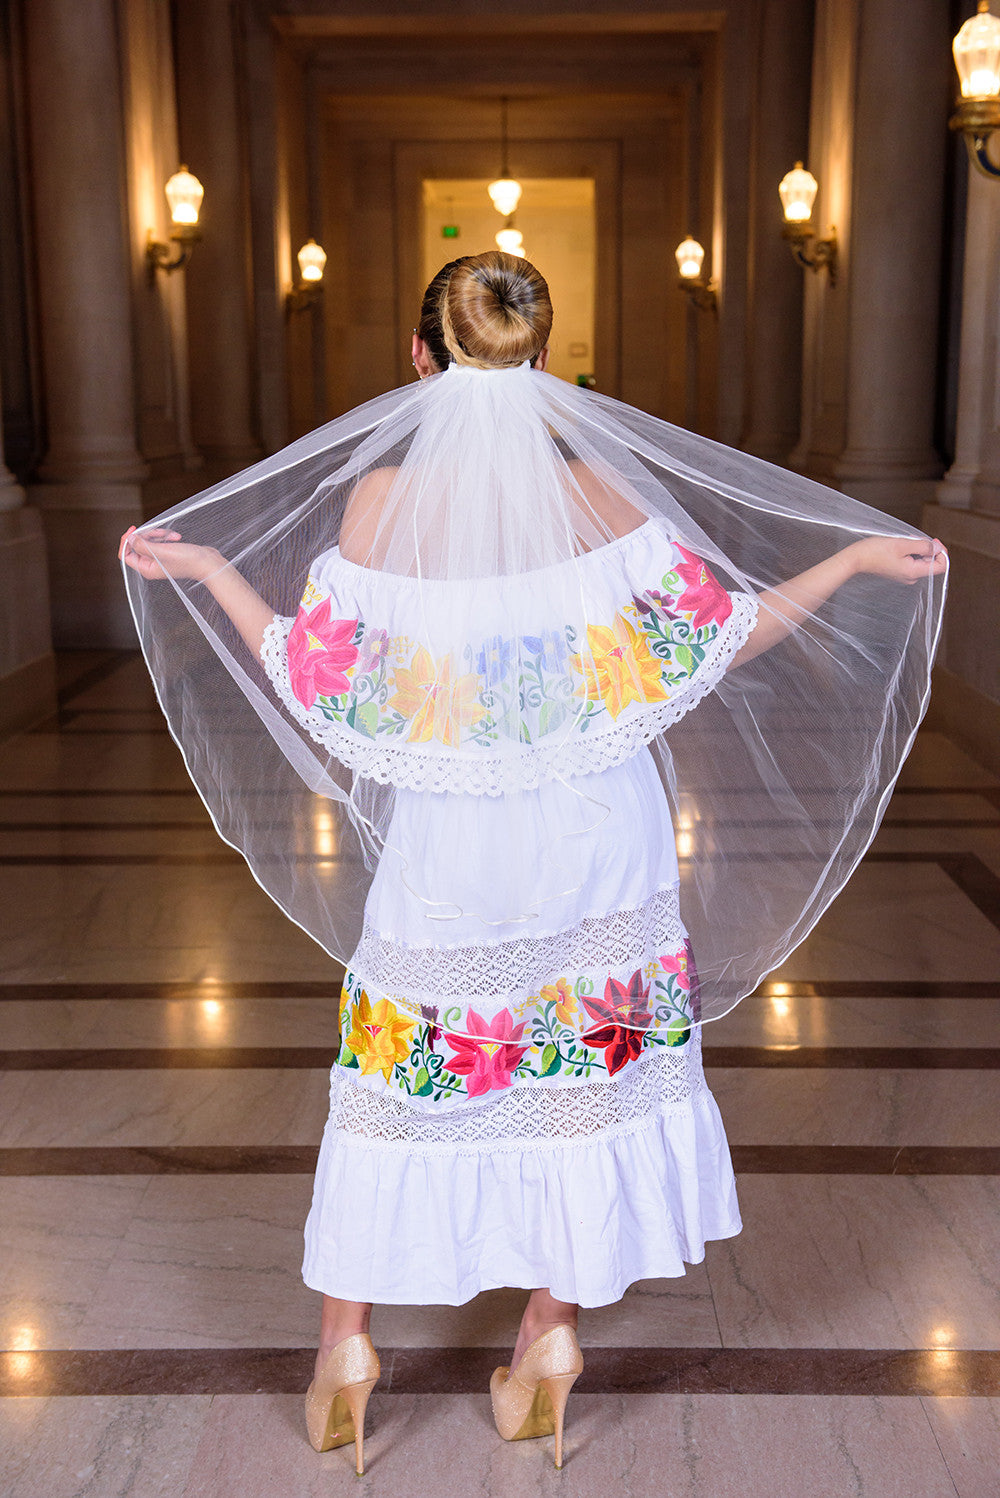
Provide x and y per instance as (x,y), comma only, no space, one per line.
(487,687)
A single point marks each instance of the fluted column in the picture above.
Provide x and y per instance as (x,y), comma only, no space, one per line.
(90,478)
(973,480)
(220,348)
(898,189)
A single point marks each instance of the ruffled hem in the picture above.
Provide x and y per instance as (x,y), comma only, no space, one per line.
(435,767)
(586,1219)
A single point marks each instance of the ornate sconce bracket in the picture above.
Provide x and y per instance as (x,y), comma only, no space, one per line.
(815,254)
(978,120)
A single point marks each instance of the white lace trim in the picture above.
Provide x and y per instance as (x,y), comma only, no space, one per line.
(419,767)
(622,938)
(537,1117)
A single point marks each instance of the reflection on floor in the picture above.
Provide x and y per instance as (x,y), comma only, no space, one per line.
(165,1037)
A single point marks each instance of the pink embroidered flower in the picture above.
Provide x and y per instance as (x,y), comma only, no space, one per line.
(678,963)
(704,595)
(488,1053)
(320,653)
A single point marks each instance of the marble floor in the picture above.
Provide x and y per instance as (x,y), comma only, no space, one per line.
(164,1038)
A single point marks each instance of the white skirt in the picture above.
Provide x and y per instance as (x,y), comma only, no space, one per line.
(432,1184)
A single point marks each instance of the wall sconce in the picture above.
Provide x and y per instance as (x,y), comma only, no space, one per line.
(797,190)
(704,294)
(184,194)
(312,263)
(977,57)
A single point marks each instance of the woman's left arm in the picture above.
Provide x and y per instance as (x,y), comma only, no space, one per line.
(782,609)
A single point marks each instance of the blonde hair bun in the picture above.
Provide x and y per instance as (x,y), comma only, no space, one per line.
(495,311)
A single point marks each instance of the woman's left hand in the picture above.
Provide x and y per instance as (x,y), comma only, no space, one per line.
(904,559)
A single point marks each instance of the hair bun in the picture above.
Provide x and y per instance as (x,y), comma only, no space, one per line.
(495,311)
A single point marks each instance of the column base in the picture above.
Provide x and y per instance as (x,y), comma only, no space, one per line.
(83,524)
(904,498)
(27,665)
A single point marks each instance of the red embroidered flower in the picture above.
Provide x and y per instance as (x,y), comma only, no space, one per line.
(487,1061)
(320,653)
(704,595)
(623,1017)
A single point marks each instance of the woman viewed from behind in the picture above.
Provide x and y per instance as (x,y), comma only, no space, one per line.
(501,639)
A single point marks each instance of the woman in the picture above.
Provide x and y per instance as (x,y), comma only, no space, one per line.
(475,724)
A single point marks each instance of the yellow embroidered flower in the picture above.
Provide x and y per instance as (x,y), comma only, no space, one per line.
(424,692)
(566,1005)
(311,595)
(380,1037)
(618,667)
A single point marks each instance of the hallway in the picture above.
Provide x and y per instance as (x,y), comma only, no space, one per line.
(166,1036)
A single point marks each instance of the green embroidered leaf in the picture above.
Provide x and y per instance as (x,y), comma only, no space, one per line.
(678,1032)
(422,1084)
(550,1061)
(551,717)
(685,658)
(366,719)
(350,1060)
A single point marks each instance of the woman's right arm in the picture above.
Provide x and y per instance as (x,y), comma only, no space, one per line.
(162,553)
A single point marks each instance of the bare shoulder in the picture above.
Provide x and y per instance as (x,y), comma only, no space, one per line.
(605,501)
(361,517)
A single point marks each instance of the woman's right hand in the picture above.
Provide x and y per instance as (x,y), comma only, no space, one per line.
(162,553)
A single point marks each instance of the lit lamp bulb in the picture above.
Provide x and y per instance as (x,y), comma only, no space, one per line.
(977,55)
(797,190)
(505,194)
(184,194)
(689,255)
(312,261)
(511,241)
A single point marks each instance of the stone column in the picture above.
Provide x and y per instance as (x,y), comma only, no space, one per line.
(90,480)
(898,189)
(966,701)
(774,353)
(27,666)
(218,290)
(973,480)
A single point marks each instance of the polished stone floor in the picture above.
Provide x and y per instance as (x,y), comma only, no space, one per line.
(164,1039)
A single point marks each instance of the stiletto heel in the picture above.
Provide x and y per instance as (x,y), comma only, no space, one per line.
(338,1397)
(531,1401)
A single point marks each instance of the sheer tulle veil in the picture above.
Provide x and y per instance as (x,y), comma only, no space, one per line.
(499,634)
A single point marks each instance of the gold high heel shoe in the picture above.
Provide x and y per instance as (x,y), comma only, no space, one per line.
(531,1401)
(338,1395)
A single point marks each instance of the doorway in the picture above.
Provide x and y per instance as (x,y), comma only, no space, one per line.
(556,216)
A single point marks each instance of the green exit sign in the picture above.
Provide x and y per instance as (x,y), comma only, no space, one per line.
(449,231)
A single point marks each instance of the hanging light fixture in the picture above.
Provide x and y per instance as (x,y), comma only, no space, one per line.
(510,240)
(184,194)
(505,192)
(797,191)
(976,49)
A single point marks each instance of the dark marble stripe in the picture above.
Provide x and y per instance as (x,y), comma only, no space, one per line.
(217,855)
(115,827)
(326,988)
(837,1372)
(866,1159)
(75,792)
(903,988)
(748,1159)
(144,1058)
